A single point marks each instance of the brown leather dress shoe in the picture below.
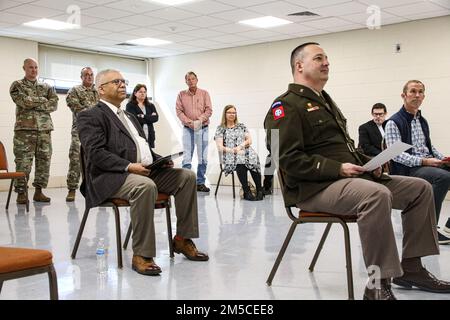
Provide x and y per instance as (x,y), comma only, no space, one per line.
(145,266)
(422,280)
(382,293)
(187,247)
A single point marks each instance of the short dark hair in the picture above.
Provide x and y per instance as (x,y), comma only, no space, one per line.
(298,51)
(379,105)
(133,98)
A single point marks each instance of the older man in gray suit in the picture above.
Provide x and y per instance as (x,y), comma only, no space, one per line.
(117,155)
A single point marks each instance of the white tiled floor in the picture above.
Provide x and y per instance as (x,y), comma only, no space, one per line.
(241,237)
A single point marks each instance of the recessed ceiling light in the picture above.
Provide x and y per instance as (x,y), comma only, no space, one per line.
(148,42)
(265,22)
(51,24)
(170,2)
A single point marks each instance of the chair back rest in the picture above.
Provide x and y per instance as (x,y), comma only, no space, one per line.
(3,159)
(82,163)
(282,179)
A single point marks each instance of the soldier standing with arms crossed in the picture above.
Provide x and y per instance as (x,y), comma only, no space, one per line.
(32,131)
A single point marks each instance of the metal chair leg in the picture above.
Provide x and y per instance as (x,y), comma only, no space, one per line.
(80,233)
(27,205)
(118,237)
(281,253)
(232,181)
(319,248)
(169,230)
(127,237)
(348,258)
(218,181)
(53,283)
(9,194)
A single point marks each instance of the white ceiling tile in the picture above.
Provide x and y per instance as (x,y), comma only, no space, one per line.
(207,7)
(236,15)
(392,20)
(232,28)
(112,26)
(84,19)
(201,43)
(258,34)
(99,2)
(146,33)
(345,27)
(432,14)
(175,37)
(16,19)
(202,33)
(243,3)
(171,14)
(326,23)
(278,9)
(291,28)
(77,44)
(173,27)
(105,12)
(229,38)
(99,41)
(204,21)
(442,3)
(5,4)
(417,8)
(316,3)
(34,11)
(363,17)
(388,3)
(62,4)
(135,6)
(118,37)
(141,20)
(341,9)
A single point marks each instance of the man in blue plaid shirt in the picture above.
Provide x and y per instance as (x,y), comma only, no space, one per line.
(423,160)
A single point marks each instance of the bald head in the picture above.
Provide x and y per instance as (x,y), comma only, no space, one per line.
(30,66)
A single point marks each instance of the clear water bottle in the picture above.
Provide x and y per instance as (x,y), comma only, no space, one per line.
(102,262)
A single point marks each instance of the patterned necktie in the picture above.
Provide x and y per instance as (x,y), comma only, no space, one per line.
(125,123)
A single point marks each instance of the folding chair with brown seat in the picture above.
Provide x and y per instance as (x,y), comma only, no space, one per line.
(20,262)
(316,217)
(162,201)
(5,174)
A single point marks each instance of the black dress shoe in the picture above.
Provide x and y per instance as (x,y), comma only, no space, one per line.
(249,196)
(382,293)
(202,188)
(422,280)
(267,191)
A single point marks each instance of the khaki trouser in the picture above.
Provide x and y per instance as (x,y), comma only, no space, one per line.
(373,202)
(142,192)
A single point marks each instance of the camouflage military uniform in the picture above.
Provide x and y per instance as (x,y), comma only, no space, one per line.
(32,130)
(78,99)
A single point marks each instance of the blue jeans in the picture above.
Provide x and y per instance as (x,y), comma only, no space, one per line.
(439,178)
(191,139)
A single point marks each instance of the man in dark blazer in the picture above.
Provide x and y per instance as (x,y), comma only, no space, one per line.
(371,133)
(116,155)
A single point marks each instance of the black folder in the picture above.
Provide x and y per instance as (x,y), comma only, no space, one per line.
(164,160)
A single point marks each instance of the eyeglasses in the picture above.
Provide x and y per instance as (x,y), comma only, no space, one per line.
(234,113)
(116,82)
(378,114)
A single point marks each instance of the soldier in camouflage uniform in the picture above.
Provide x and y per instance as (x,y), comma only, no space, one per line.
(79,98)
(32,131)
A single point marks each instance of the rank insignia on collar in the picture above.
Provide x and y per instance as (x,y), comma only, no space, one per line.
(310,107)
(278,112)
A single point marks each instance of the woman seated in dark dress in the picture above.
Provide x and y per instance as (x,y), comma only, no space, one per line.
(233,141)
(144,111)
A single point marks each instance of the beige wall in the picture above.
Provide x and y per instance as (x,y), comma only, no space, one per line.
(364,70)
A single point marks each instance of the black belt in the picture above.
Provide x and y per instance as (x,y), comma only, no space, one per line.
(203,127)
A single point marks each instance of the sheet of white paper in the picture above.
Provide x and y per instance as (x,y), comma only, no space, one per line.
(386,155)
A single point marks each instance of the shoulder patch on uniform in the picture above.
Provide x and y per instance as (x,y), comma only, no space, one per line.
(276,104)
(278,112)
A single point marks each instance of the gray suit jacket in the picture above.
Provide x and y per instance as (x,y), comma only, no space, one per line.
(108,150)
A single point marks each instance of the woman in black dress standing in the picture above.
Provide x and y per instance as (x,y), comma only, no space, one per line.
(145,112)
